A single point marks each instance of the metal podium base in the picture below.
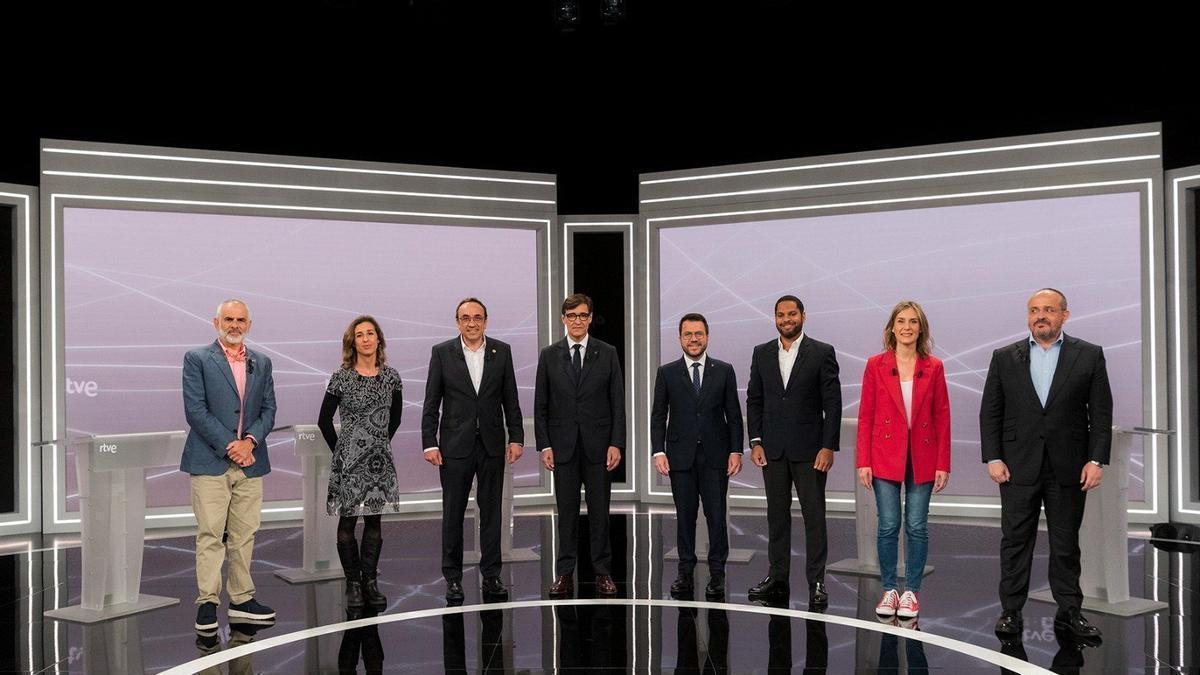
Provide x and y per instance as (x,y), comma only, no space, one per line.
(737,555)
(299,575)
(853,566)
(1130,607)
(77,614)
(515,555)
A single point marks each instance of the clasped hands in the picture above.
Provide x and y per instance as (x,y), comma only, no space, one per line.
(241,452)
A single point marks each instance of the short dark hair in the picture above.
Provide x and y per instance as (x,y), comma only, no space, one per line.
(790,298)
(575,300)
(465,301)
(1053,290)
(693,316)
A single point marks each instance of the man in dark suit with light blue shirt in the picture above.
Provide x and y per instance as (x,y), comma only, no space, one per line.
(1045,428)
(696,438)
(229,403)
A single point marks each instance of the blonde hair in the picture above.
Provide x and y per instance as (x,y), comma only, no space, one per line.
(924,340)
(350,353)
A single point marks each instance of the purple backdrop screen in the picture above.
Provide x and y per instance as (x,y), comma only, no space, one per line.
(141,288)
(971,267)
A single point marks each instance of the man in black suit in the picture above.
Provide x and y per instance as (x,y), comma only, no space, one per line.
(1045,426)
(579,420)
(696,437)
(794,412)
(472,388)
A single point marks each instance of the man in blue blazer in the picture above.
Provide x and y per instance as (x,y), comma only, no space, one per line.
(696,438)
(229,402)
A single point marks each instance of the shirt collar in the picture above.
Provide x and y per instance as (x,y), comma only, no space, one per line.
(795,343)
(688,361)
(1034,343)
(468,350)
(583,342)
(234,355)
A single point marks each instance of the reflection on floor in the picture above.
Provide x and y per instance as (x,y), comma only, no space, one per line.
(958,601)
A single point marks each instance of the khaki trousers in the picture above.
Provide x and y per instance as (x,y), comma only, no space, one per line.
(229,502)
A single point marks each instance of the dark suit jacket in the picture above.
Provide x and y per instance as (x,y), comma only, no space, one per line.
(798,421)
(594,411)
(211,405)
(1074,427)
(680,418)
(450,395)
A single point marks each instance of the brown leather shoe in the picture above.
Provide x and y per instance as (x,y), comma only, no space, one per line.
(605,585)
(563,586)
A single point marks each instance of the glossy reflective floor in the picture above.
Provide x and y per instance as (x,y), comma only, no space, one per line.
(643,630)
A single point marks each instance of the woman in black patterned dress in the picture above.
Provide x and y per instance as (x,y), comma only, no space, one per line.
(362,479)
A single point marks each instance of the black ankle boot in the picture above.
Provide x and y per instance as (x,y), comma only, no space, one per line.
(370,561)
(348,554)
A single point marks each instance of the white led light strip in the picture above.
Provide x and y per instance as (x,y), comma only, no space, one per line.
(1182,420)
(28,384)
(902,158)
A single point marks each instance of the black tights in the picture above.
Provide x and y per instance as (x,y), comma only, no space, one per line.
(372,529)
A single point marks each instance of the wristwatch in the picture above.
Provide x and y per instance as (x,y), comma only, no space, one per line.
(1097,463)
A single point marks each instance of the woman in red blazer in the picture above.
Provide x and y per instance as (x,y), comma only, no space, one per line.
(903,441)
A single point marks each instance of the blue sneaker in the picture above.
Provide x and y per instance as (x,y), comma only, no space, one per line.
(250,610)
(206,616)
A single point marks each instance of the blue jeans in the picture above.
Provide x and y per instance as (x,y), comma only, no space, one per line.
(916,530)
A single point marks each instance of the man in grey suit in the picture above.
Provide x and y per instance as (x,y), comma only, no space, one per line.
(229,402)
(579,421)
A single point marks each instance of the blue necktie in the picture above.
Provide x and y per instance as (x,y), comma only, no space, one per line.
(696,378)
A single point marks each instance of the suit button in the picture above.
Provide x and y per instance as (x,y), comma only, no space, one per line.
(924,424)
(926,441)
(887,420)
(887,435)
(237,412)
(784,398)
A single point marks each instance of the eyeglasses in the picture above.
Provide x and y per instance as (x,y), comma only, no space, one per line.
(581,316)
(472,319)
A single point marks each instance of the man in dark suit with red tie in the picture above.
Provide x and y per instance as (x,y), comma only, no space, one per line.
(696,438)
(579,420)
(1045,427)
(794,415)
(471,387)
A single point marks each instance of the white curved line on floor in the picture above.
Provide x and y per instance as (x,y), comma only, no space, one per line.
(996,658)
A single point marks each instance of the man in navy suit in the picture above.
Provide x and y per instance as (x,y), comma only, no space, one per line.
(579,421)
(229,403)
(794,416)
(472,389)
(696,438)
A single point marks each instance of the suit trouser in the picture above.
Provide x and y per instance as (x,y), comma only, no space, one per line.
(456,474)
(1019,511)
(779,476)
(229,503)
(701,482)
(596,482)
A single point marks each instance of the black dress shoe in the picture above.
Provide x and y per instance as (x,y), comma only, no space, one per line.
(454,591)
(492,586)
(817,595)
(715,589)
(1010,623)
(768,588)
(1073,622)
(683,586)
(564,585)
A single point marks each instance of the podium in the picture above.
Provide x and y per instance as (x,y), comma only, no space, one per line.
(112,506)
(866,524)
(1104,540)
(320,561)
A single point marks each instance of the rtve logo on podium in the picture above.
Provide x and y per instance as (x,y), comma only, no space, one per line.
(110,448)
